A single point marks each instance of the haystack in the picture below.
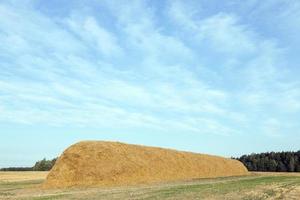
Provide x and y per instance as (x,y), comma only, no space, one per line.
(97,163)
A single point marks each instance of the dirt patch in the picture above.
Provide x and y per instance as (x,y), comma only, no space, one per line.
(118,164)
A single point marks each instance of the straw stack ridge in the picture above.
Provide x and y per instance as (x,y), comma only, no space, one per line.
(97,163)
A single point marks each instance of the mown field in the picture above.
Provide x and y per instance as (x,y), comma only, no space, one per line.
(26,186)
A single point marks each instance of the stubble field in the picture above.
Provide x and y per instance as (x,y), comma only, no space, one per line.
(26,186)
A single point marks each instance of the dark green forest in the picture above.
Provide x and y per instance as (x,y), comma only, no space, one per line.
(272,161)
(41,165)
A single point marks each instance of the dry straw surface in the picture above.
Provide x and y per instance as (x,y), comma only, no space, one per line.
(97,163)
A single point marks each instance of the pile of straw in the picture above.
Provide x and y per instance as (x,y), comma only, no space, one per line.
(97,163)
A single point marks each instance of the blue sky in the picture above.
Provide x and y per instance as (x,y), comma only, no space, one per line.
(205,76)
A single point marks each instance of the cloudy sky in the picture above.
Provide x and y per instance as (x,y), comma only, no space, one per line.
(204,76)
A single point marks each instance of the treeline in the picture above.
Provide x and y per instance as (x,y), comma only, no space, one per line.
(44,165)
(41,165)
(272,161)
(16,169)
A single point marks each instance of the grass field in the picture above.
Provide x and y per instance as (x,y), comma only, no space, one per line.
(26,186)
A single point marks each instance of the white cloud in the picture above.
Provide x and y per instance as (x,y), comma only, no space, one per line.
(80,72)
(222,32)
(184,14)
(95,35)
(272,127)
(289,99)
(226,35)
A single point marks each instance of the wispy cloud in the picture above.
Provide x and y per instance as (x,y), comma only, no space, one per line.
(95,36)
(212,74)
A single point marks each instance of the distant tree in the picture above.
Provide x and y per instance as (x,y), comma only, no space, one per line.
(281,167)
(44,165)
(16,169)
(272,165)
(272,161)
(291,165)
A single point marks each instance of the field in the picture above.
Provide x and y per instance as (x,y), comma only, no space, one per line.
(26,186)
